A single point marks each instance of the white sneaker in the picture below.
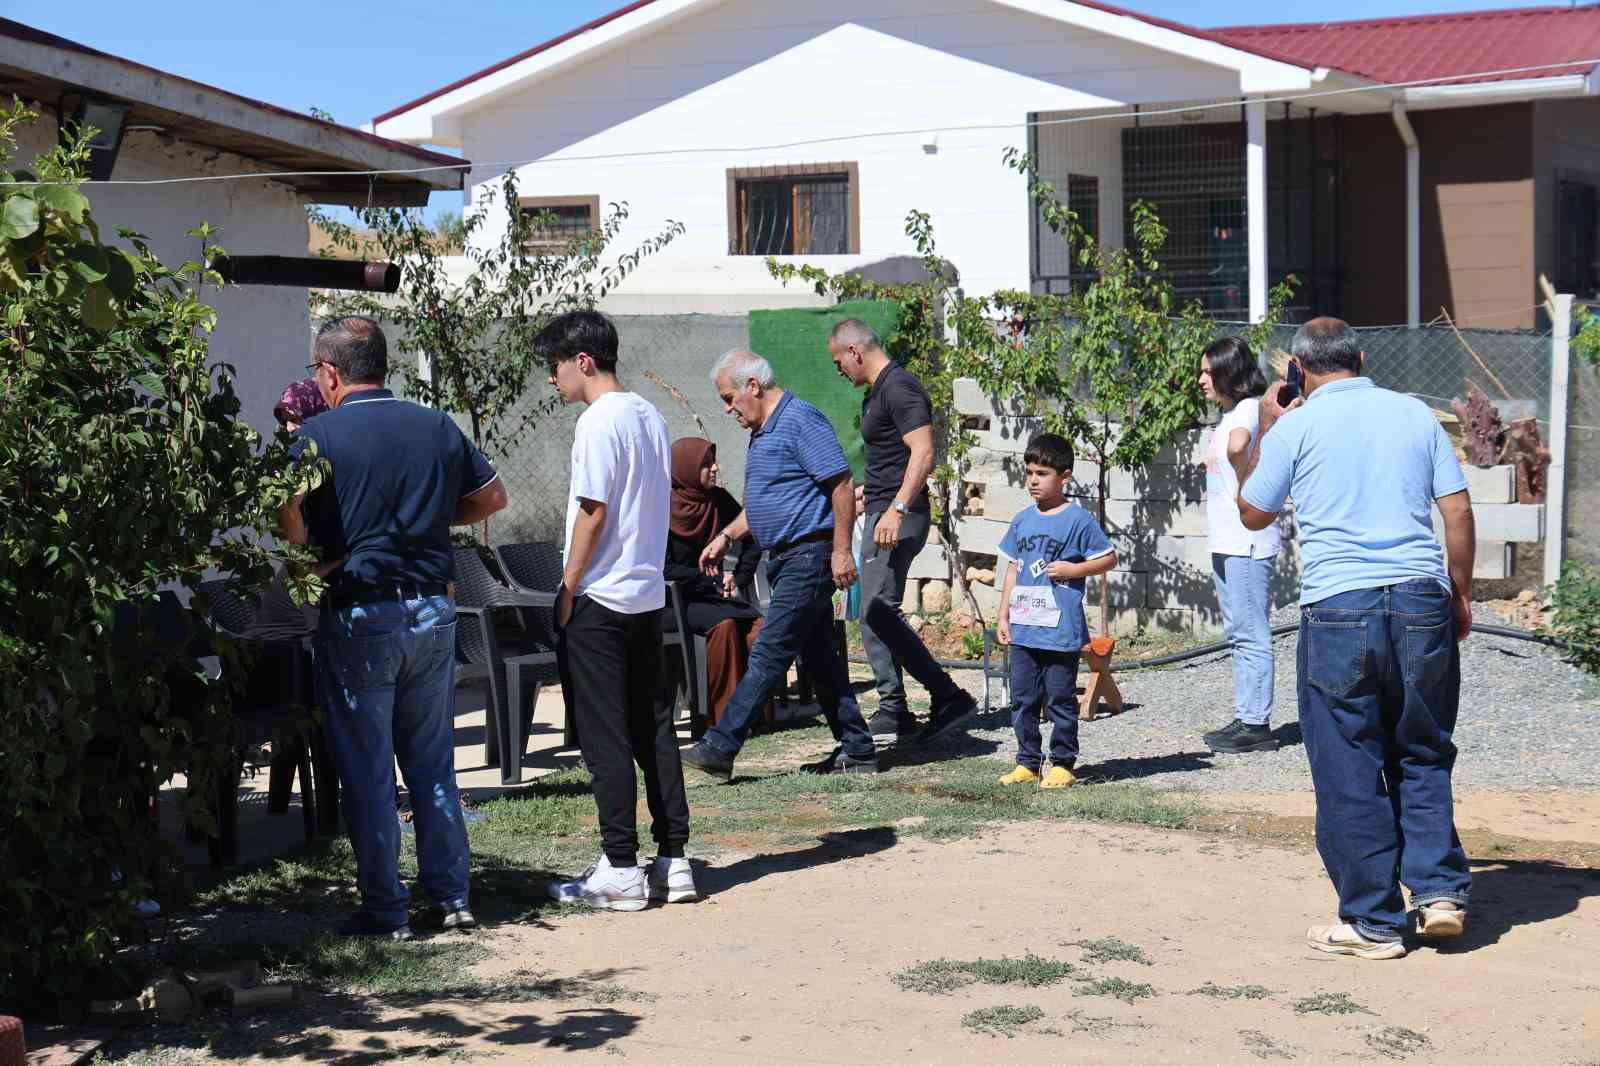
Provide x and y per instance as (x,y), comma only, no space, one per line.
(671,880)
(605,887)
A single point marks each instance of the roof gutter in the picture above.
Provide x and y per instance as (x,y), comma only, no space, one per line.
(1402,123)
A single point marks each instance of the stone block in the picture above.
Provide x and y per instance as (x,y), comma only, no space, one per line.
(931,561)
(911,602)
(1085,480)
(1160,481)
(935,596)
(981,535)
(1125,588)
(1522,522)
(1009,434)
(1151,519)
(988,598)
(1128,621)
(1494,559)
(1494,484)
(1182,589)
(1003,502)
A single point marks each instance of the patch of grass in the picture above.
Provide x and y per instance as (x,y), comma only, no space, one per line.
(377,966)
(1395,1042)
(1112,949)
(1127,991)
(1001,1021)
(1329,1003)
(1231,991)
(941,976)
(1263,1046)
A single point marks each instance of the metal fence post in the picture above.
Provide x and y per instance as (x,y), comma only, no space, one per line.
(1555,499)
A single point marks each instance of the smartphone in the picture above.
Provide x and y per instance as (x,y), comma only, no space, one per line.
(1291,391)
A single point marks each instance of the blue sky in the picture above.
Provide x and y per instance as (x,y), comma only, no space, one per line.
(358,58)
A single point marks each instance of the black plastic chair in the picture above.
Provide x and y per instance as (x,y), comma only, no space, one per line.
(482,645)
(276,702)
(694,658)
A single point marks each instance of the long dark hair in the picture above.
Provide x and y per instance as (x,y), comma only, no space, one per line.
(1234,371)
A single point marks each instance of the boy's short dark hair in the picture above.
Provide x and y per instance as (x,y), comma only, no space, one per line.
(578,332)
(1050,449)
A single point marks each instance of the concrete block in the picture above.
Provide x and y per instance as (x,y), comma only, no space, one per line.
(1010,433)
(988,598)
(1188,448)
(1085,479)
(911,602)
(931,561)
(1493,484)
(1145,518)
(1128,621)
(1184,589)
(1002,502)
(1160,481)
(1125,588)
(980,535)
(1494,559)
(1521,522)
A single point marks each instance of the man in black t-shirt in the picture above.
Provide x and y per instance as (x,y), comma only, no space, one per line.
(897,431)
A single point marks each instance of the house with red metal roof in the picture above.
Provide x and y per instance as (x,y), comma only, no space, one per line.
(175,153)
(1397,167)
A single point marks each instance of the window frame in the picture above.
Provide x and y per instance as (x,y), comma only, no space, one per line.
(851,171)
(540,203)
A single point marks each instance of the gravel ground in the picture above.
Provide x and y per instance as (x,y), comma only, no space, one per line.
(1528,722)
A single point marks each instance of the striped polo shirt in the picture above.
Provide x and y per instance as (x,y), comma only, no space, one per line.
(791,455)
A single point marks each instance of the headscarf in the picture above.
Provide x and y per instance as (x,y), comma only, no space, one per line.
(694,512)
(301,400)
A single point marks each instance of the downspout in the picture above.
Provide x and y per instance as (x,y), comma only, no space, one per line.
(1402,122)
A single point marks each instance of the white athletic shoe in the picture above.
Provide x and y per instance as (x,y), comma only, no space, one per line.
(671,880)
(605,887)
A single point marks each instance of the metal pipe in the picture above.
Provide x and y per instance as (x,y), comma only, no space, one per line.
(1555,493)
(1402,122)
(307,272)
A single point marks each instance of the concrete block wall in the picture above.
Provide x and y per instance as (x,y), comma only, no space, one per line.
(1155,518)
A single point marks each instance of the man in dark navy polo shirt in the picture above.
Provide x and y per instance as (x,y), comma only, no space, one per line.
(799,505)
(401,476)
(897,430)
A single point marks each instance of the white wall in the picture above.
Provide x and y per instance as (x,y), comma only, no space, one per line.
(754,74)
(262,331)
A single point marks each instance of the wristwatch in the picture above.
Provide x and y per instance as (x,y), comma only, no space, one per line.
(899,506)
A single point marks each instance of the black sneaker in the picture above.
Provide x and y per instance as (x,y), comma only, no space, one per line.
(708,760)
(1237,738)
(453,920)
(947,719)
(363,924)
(891,725)
(838,762)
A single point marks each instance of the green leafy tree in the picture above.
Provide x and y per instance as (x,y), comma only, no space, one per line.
(474,326)
(1113,365)
(124,468)
(1575,613)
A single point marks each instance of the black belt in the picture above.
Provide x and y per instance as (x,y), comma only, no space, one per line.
(337,599)
(809,538)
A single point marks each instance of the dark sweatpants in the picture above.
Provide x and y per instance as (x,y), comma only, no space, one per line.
(611,663)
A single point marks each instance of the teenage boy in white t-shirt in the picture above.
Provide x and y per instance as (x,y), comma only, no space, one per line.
(608,613)
(1241,559)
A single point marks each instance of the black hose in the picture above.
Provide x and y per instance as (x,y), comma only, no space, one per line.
(1222,646)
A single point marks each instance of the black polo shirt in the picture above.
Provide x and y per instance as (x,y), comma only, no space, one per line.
(398,472)
(895,405)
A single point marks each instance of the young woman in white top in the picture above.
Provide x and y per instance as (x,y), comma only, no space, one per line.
(1241,560)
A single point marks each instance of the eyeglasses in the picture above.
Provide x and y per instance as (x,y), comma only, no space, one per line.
(312,366)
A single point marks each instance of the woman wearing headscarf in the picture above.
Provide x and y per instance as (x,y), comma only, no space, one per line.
(701,508)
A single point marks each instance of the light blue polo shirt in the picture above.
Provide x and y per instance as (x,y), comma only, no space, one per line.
(791,455)
(1364,466)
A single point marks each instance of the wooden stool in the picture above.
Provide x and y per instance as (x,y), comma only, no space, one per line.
(1096,655)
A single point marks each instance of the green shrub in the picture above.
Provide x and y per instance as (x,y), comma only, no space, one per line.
(123,469)
(1575,613)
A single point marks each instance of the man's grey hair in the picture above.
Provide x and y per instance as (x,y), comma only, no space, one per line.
(853,331)
(354,344)
(1327,346)
(740,366)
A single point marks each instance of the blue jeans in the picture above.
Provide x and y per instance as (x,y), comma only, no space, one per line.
(1048,677)
(1246,602)
(386,683)
(1379,676)
(799,623)
(891,644)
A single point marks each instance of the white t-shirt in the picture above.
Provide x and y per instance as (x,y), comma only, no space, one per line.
(1225,533)
(622,457)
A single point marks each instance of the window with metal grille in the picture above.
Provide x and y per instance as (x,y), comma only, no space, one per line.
(811,210)
(1577,217)
(558,220)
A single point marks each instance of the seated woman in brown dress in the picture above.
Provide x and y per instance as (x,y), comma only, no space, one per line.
(701,509)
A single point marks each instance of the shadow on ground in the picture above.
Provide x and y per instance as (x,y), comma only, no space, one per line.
(830,848)
(1507,893)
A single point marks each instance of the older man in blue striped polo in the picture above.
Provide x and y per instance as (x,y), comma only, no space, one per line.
(799,505)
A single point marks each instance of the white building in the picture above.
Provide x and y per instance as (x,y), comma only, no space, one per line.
(176,128)
(814,128)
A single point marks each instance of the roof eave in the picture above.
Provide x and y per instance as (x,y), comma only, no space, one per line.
(1518,90)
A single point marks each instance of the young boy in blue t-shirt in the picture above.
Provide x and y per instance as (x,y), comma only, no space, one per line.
(1051,548)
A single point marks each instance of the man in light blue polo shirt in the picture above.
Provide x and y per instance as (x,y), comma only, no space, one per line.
(799,504)
(1378,670)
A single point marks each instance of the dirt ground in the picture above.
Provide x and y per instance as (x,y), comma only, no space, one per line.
(792,956)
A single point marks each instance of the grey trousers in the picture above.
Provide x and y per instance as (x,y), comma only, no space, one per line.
(891,644)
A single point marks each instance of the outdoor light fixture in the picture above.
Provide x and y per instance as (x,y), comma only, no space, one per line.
(107,117)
